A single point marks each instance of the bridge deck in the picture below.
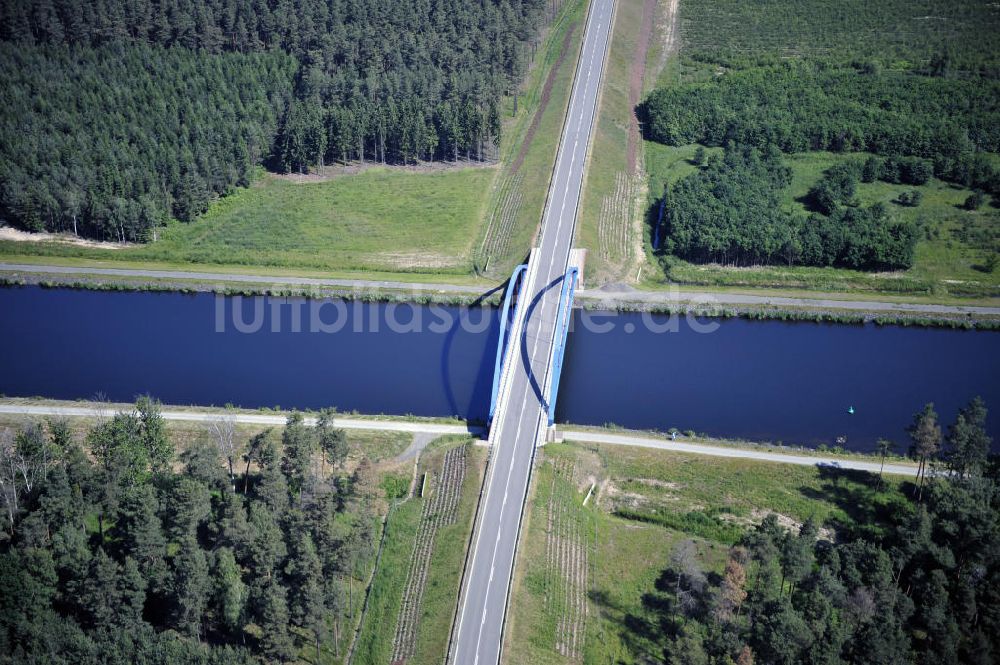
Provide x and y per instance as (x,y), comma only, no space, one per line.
(520,419)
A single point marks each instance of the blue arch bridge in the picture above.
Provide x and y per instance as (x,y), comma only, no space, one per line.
(513,302)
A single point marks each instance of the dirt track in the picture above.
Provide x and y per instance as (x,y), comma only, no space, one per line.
(544,102)
(636,79)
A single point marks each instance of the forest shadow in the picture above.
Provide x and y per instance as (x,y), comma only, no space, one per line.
(870,509)
(648,629)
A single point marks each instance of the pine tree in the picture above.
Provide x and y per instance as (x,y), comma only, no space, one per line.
(188,505)
(138,533)
(272,611)
(132,591)
(191,587)
(100,598)
(307,600)
(925,435)
(230,592)
(299,447)
(332,441)
(968,442)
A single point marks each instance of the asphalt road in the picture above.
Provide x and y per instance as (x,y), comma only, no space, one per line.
(223,277)
(608,296)
(521,417)
(425,432)
(278,420)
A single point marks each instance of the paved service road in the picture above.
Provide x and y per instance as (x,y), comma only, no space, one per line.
(683,446)
(217,277)
(520,419)
(243,418)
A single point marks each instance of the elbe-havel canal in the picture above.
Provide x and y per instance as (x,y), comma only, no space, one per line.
(759,380)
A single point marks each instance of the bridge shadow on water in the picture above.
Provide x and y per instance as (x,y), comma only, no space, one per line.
(479,398)
(525,357)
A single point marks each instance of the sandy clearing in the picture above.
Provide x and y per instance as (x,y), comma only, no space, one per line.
(16,235)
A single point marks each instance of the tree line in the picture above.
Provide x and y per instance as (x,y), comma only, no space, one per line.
(237,550)
(313,135)
(392,81)
(820,104)
(730,212)
(923,589)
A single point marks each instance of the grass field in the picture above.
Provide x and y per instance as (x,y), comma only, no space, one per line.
(443,578)
(711,501)
(437,606)
(381,219)
(953,248)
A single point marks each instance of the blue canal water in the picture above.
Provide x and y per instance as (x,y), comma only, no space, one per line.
(760,380)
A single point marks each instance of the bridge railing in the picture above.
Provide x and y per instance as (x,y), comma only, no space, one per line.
(562,333)
(503,344)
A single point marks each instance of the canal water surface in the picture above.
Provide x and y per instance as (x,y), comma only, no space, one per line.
(760,380)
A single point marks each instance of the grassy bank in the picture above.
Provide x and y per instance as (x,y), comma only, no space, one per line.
(378,220)
(642,503)
(375,640)
(956,320)
(445,574)
(490,296)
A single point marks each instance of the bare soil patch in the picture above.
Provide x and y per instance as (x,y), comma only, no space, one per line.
(671,40)
(635,81)
(413,260)
(9,233)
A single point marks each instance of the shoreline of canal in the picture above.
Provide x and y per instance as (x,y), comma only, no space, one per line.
(713,306)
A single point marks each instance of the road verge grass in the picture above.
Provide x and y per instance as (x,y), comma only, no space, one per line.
(441,594)
(613,193)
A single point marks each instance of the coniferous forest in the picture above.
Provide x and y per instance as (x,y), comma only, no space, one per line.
(119,115)
(240,549)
